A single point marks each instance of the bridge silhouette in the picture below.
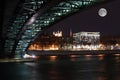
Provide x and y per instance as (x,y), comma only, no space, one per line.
(34,16)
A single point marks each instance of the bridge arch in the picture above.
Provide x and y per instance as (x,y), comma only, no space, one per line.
(37,15)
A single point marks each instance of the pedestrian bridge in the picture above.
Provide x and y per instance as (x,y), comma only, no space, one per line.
(31,17)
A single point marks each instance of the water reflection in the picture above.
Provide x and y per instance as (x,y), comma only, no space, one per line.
(101,57)
(88,57)
(101,78)
(117,58)
(53,58)
(80,67)
(73,57)
(117,54)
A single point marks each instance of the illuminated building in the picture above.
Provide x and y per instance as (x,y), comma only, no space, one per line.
(57,34)
(86,40)
(45,42)
(111,42)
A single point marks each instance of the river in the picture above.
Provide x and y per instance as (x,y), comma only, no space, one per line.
(82,67)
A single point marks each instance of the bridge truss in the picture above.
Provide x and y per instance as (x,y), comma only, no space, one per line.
(33,16)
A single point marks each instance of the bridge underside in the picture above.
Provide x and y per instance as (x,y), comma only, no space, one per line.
(33,16)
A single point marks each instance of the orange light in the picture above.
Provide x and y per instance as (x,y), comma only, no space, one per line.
(88,56)
(53,58)
(72,55)
(117,54)
(101,56)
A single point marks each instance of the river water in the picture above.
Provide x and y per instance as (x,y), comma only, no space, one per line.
(84,67)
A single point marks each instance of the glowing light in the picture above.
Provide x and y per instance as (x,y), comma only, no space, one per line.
(29,56)
(102,12)
(33,56)
(53,58)
(102,47)
(53,47)
(49,47)
(117,58)
(117,54)
(72,57)
(88,57)
(117,44)
(26,56)
(32,19)
(101,56)
(87,40)
(78,46)
(57,34)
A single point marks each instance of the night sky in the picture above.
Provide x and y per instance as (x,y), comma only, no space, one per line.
(87,20)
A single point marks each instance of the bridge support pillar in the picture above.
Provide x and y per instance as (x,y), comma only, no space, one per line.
(19,55)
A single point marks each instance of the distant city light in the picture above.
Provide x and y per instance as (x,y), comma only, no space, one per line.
(33,56)
(53,58)
(86,40)
(26,56)
(57,34)
(29,56)
(79,41)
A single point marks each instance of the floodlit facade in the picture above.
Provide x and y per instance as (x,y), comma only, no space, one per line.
(86,40)
(57,34)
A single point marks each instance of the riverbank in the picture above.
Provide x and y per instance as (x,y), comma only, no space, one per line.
(72,52)
(61,53)
(16,60)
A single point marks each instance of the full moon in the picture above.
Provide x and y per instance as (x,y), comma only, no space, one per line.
(102,12)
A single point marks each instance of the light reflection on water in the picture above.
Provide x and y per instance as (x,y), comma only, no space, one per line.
(53,58)
(72,57)
(101,56)
(88,57)
(74,67)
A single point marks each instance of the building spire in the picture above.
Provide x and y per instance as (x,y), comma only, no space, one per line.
(71,32)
